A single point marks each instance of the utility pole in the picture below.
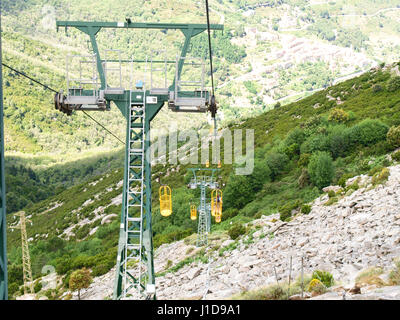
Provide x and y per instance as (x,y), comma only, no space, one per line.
(26,259)
(3,243)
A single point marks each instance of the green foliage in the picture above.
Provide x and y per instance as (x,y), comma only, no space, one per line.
(368,132)
(80,279)
(338,115)
(242,189)
(394,84)
(304,160)
(277,163)
(396,156)
(324,276)
(236,231)
(380,177)
(305,209)
(285,211)
(321,169)
(304,179)
(393,137)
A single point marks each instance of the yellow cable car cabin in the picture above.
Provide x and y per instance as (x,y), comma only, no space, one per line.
(216,202)
(218,218)
(165,201)
(193,212)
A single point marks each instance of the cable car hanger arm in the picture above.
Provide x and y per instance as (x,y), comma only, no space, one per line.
(93,28)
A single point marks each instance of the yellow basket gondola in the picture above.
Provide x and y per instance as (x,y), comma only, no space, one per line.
(193,212)
(165,201)
(216,202)
(218,218)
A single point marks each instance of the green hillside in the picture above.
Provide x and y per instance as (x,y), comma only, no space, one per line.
(301,148)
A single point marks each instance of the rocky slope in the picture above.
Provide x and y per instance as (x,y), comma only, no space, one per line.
(361,230)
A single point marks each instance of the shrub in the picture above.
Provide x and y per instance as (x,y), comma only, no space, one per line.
(376,88)
(236,231)
(331,194)
(381,177)
(304,160)
(80,279)
(241,190)
(396,156)
(321,169)
(368,132)
(286,210)
(304,179)
(324,276)
(394,84)
(343,179)
(393,137)
(277,163)
(317,142)
(38,286)
(305,209)
(338,115)
(100,269)
(316,286)
(339,141)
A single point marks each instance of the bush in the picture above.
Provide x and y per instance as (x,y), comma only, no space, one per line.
(321,169)
(304,179)
(393,137)
(277,163)
(368,132)
(316,286)
(331,194)
(304,160)
(305,209)
(394,84)
(236,231)
(241,190)
(317,142)
(381,177)
(338,115)
(324,276)
(286,210)
(37,287)
(376,88)
(339,141)
(396,156)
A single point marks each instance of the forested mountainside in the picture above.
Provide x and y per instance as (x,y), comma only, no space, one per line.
(341,132)
(270,52)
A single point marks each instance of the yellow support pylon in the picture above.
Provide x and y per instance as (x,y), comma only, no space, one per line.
(26,259)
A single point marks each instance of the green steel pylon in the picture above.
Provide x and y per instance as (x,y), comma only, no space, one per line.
(3,243)
(135,264)
(203,182)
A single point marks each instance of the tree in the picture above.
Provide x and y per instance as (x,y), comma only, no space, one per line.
(321,169)
(80,279)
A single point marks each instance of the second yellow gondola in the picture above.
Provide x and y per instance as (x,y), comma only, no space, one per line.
(193,212)
(165,201)
(216,202)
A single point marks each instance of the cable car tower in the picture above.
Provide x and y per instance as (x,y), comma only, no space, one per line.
(203,182)
(139,105)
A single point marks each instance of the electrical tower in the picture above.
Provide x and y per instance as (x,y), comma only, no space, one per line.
(203,182)
(26,259)
(3,243)
(139,105)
